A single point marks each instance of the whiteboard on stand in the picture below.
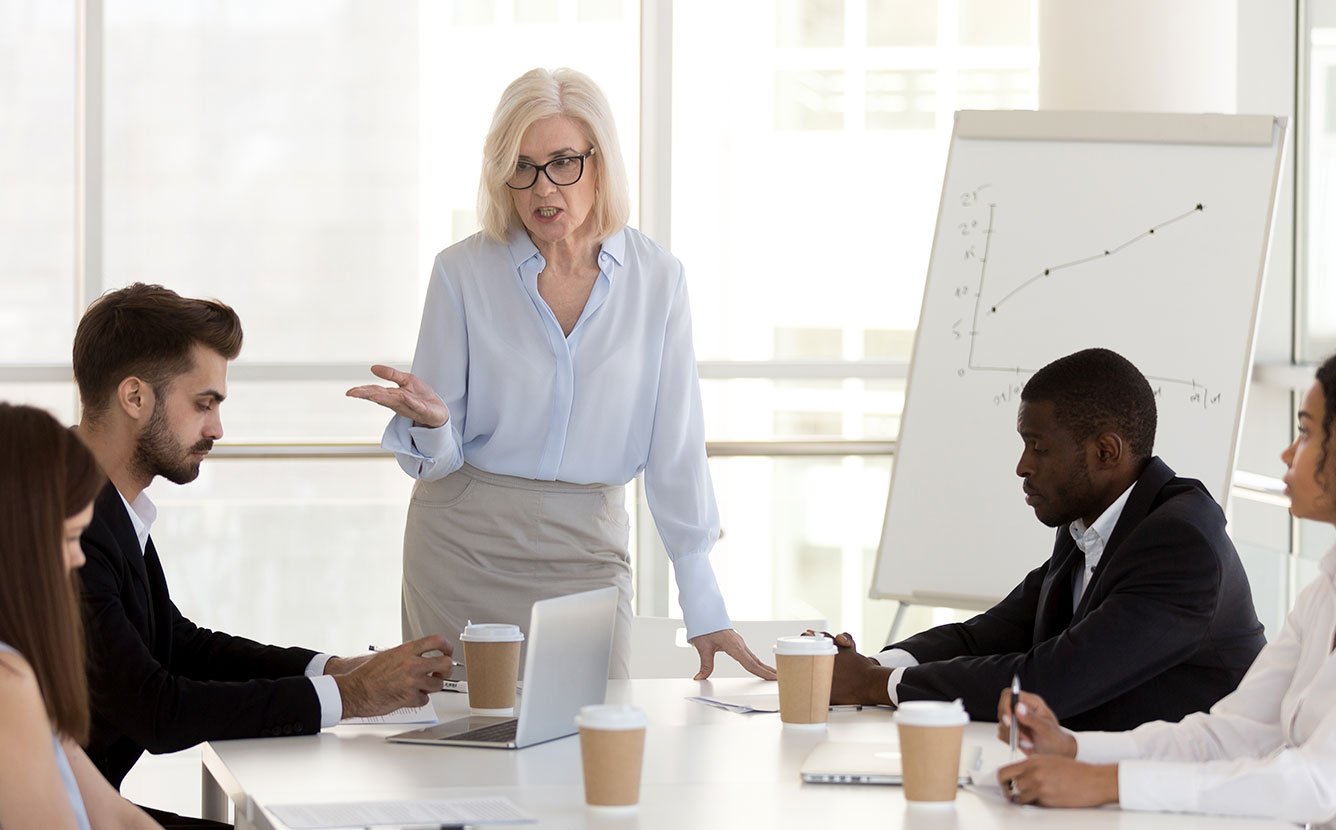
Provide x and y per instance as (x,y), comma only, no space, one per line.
(1059,231)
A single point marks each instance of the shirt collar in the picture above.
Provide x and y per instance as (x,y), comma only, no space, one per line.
(522,249)
(1328,564)
(1103,526)
(143,512)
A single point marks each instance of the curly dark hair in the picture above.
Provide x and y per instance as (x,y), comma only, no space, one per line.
(1326,378)
(1098,390)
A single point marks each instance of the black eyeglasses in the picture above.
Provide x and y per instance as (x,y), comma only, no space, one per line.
(563,172)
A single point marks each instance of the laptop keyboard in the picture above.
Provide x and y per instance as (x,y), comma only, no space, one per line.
(497,733)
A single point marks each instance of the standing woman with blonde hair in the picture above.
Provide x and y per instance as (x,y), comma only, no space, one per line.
(553,365)
(1267,749)
(48,481)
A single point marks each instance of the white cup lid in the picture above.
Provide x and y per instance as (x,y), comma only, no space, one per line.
(491,633)
(805,644)
(931,713)
(611,716)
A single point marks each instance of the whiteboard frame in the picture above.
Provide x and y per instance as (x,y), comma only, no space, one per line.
(1111,128)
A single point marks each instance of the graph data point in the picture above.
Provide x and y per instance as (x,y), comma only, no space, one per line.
(1152,230)
(1046,272)
(1106,253)
(1200,207)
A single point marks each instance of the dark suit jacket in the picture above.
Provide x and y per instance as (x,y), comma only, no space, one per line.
(159,682)
(1166,626)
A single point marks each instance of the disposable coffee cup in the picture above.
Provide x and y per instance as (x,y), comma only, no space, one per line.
(612,749)
(931,732)
(492,661)
(805,666)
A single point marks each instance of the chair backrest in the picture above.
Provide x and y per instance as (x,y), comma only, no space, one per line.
(659,646)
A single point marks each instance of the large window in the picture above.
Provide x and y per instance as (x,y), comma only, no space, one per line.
(1316,142)
(809,141)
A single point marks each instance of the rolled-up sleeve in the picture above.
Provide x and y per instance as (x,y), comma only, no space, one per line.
(677,476)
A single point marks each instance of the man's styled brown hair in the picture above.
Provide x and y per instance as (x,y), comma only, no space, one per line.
(47,475)
(149,332)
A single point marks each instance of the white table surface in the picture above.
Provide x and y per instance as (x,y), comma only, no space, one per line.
(704,768)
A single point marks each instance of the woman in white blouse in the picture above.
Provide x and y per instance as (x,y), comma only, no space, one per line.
(1268,749)
(553,365)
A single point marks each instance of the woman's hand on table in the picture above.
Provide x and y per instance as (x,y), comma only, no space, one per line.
(1050,781)
(729,642)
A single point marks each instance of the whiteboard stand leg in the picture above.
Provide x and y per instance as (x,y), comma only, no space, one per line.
(894,633)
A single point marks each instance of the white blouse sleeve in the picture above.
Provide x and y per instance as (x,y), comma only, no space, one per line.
(441,361)
(1234,760)
(677,476)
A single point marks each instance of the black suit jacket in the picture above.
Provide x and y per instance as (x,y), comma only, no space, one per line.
(1166,626)
(159,682)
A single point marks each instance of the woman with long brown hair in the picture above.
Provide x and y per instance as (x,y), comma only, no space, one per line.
(48,480)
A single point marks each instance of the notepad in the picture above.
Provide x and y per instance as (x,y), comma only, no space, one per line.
(409,714)
(371,813)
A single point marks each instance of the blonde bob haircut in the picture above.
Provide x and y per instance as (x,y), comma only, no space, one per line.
(533,96)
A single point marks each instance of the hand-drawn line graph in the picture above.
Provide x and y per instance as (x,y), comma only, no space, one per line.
(1199,393)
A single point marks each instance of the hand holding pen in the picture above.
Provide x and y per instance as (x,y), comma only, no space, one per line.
(1015,724)
(1027,724)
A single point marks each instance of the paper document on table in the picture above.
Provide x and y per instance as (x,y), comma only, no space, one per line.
(985,776)
(741,704)
(373,813)
(409,714)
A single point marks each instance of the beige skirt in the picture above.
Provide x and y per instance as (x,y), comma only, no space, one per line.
(484,547)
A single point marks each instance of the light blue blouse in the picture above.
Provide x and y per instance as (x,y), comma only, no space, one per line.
(66,774)
(619,396)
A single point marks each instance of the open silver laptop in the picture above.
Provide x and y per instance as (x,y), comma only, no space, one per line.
(848,762)
(565,667)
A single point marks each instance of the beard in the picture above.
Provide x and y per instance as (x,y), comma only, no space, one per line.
(158,453)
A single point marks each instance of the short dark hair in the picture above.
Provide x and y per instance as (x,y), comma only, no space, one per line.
(1098,390)
(1326,378)
(147,331)
(47,476)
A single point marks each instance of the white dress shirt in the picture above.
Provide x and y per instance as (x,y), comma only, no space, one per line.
(1268,749)
(618,396)
(1091,540)
(143,512)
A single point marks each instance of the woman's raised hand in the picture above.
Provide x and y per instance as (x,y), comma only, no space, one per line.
(409,397)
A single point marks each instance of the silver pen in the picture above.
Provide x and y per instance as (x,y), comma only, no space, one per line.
(1015,726)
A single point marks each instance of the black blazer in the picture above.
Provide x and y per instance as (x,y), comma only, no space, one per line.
(1166,626)
(159,682)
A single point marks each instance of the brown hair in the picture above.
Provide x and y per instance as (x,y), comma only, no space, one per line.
(149,332)
(47,475)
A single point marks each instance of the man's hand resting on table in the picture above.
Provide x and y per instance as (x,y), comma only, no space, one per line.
(857,678)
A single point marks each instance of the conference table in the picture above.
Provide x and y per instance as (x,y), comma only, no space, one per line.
(704,768)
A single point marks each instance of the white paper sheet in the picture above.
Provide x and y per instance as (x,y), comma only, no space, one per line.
(741,704)
(408,714)
(373,813)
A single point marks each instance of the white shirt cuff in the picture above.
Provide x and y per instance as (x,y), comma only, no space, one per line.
(896,658)
(698,593)
(893,684)
(1159,786)
(432,443)
(1104,747)
(316,667)
(331,702)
